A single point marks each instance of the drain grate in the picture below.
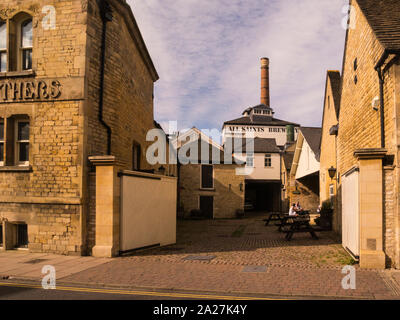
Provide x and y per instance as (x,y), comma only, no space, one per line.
(34,261)
(199,258)
(254,269)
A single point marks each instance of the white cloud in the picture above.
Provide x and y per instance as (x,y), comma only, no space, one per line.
(207,54)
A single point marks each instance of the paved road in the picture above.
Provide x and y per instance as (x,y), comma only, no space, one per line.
(15,290)
(31,292)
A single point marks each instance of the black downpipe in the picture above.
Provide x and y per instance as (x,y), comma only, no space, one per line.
(381,75)
(106,16)
(382,104)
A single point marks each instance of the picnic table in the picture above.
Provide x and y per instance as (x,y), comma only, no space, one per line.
(273,216)
(298,224)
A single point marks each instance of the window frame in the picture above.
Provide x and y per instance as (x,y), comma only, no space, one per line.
(250,156)
(212,177)
(268,156)
(21,48)
(17,143)
(4,50)
(3,141)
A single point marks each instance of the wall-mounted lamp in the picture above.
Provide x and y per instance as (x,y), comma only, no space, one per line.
(332,172)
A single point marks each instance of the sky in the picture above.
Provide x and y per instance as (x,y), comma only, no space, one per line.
(207,54)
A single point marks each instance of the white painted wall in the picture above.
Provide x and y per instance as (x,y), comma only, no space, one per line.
(278,133)
(148,214)
(308,164)
(260,172)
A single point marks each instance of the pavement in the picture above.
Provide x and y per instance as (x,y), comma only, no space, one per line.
(220,258)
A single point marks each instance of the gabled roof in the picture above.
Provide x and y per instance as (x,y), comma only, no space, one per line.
(257,120)
(335,79)
(214,156)
(384,18)
(261,145)
(288,159)
(313,138)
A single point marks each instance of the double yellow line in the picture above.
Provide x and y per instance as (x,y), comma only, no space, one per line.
(138,293)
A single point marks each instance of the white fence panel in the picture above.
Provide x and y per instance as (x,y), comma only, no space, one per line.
(148,210)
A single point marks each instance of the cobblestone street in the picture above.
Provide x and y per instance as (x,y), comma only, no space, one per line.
(243,256)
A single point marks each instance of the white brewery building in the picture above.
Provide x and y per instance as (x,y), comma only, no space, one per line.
(271,136)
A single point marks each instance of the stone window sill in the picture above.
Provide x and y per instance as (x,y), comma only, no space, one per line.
(16,169)
(17,74)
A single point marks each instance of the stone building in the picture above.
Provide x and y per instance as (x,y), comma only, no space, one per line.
(328,160)
(270,135)
(305,168)
(368,136)
(76,83)
(209,183)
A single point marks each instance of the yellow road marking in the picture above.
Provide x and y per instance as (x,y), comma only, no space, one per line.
(139,293)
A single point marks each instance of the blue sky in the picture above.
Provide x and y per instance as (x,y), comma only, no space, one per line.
(207,53)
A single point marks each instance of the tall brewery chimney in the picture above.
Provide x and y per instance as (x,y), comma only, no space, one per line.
(265,81)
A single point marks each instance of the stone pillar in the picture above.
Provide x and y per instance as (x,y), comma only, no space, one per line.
(371,208)
(107,207)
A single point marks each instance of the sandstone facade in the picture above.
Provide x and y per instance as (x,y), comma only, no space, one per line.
(53,193)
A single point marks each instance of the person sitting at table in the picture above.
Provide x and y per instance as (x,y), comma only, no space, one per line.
(292,211)
(298,208)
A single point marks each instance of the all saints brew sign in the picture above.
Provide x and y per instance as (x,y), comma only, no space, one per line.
(243,129)
(37,90)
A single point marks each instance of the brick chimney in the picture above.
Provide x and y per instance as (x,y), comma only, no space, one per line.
(265,81)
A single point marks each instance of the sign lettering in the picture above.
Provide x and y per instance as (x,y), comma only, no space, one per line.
(16,91)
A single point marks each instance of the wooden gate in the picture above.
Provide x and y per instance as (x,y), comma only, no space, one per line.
(351,213)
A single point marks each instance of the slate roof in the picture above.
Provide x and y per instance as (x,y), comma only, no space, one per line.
(384,18)
(260,120)
(313,138)
(335,78)
(203,145)
(262,145)
(288,159)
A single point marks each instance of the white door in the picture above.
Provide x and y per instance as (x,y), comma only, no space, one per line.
(350,213)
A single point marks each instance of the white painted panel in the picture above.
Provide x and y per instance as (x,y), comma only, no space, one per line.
(148,214)
(350,213)
(260,172)
(308,164)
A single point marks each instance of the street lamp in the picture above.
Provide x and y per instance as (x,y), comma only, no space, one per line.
(332,172)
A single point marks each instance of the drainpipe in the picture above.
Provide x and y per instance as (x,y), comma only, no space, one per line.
(381,75)
(106,15)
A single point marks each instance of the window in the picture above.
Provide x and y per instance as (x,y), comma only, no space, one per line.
(1,235)
(268,161)
(16,43)
(207,180)
(22,142)
(250,160)
(1,142)
(136,154)
(3,46)
(26,44)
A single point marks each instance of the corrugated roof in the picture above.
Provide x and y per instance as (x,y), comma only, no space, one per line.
(384,18)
